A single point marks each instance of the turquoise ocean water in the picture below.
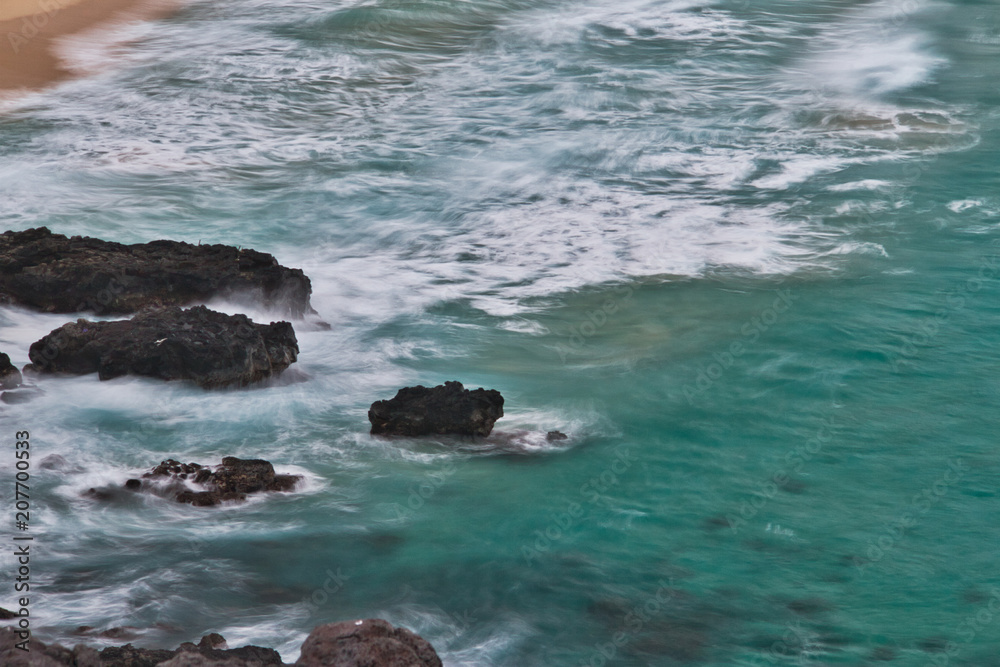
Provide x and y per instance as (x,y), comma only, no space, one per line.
(745,254)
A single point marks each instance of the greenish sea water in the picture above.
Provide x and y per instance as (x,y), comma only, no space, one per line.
(744,254)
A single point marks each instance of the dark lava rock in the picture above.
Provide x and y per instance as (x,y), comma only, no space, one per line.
(445,409)
(56,274)
(232,480)
(367,643)
(10,377)
(245,655)
(552,436)
(6,615)
(213,640)
(130,656)
(213,349)
(188,659)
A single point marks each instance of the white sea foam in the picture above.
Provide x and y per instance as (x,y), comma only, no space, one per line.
(866,184)
(964,204)
(873,51)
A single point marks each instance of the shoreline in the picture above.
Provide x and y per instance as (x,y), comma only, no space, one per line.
(30,32)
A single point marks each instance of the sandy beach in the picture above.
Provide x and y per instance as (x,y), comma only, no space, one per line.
(29,30)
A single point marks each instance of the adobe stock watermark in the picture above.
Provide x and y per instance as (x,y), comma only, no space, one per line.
(592,492)
(461,621)
(750,332)
(920,504)
(421,492)
(31,25)
(968,629)
(955,300)
(595,320)
(333,584)
(796,644)
(795,461)
(633,623)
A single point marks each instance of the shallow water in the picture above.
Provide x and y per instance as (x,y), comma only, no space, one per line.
(720,245)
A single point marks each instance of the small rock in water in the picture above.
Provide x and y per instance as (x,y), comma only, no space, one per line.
(232,480)
(555,435)
(448,409)
(21,395)
(98,494)
(53,462)
(10,377)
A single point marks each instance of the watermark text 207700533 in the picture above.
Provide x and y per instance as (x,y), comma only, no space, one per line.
(22,542)
(31,24)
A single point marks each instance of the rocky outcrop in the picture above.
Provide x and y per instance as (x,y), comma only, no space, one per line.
(54,273)
(212,349)
(442,410)
(231,481)
(366,643)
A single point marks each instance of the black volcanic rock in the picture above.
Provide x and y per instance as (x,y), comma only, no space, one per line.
(54,273)
(232,480)
(129,656)
(445,409)
(213,349)
(10,377)
(366,643)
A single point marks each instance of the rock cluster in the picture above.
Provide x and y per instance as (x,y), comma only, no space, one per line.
(448,409)
(54,273)
(230,481)
(361,643)
(212,349)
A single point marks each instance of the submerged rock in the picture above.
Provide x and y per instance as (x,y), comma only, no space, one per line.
(366,643)
(10,377)
(22,394)
(56,274)
(211,348)
(442,410)
(230,481)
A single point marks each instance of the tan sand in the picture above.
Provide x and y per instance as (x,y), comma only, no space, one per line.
(29,29)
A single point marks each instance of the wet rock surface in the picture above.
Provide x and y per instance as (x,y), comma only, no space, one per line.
(10,377)
(364,643)
(448,409)
(59,274)
(210,348)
